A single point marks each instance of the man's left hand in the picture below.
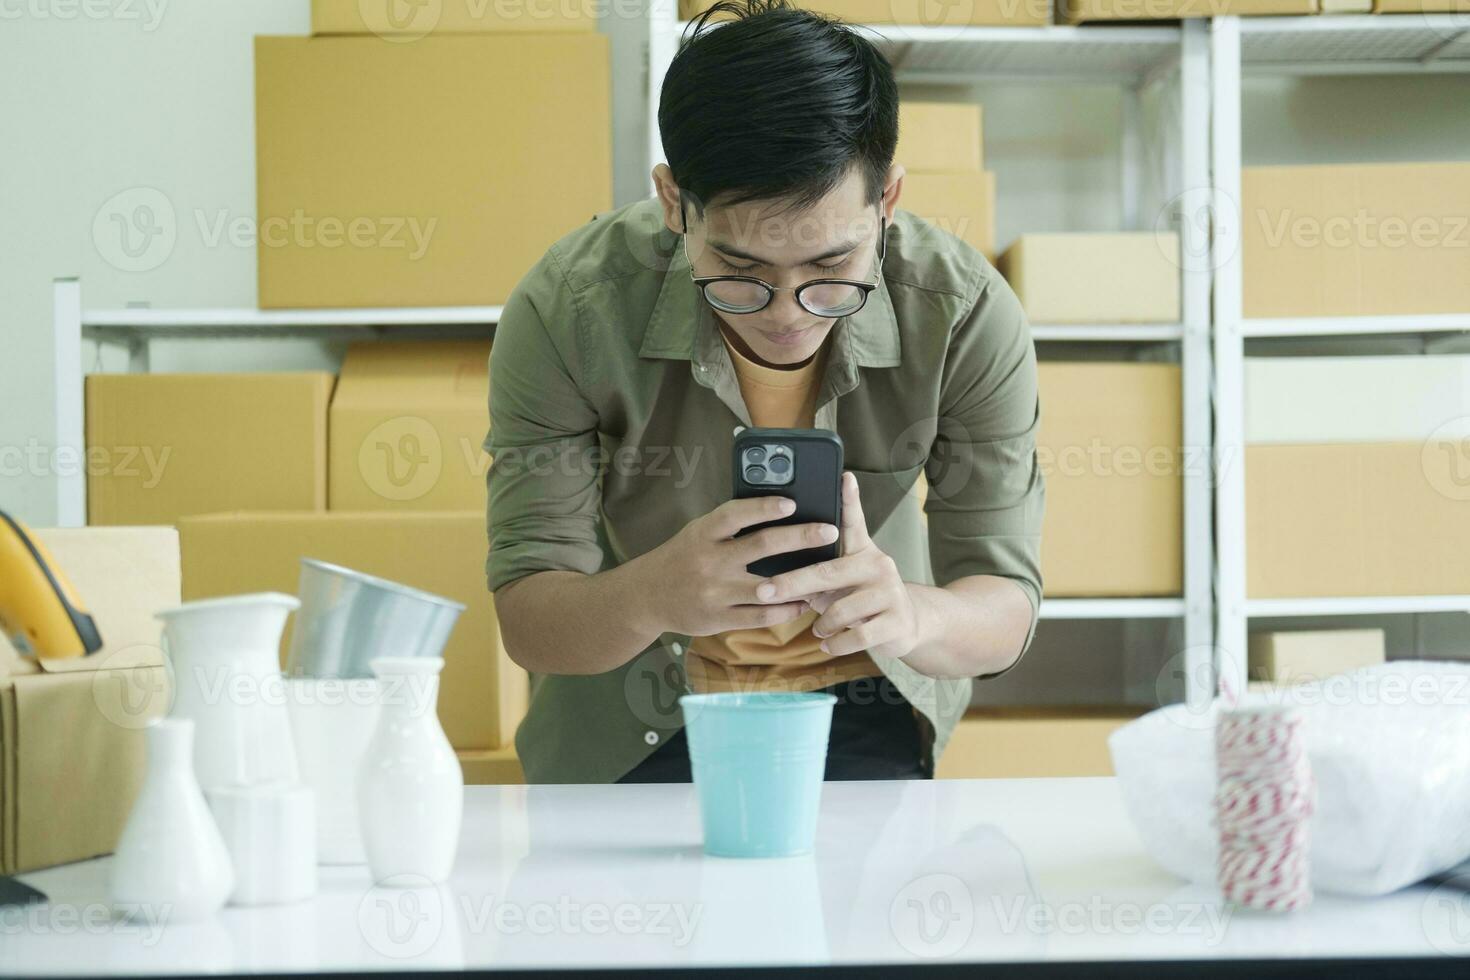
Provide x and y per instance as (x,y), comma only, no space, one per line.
(864,604)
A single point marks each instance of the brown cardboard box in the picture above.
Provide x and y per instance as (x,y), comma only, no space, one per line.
(435,173)
(406,425)
(959,202)
(1109,448)
(1078,11)
(160,446)
(1357,519)
(385,17)
(1356,240)
(491,767)
(1019,743)
(483,695)
(1295,656)
(1422,7)
(936,13)
(940,136)
(1128,277)
(71,731)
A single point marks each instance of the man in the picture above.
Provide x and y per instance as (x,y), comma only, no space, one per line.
(772,282)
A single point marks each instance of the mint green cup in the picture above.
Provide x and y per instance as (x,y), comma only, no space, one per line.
(758,761)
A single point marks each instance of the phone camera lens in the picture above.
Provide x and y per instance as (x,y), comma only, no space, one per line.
(755,474)
(780,465)
(755,454)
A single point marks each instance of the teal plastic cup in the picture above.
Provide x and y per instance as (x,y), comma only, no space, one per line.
(758,761)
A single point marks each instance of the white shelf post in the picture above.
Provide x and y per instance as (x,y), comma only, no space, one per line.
(1229,350)
(69,456)
(1195,359)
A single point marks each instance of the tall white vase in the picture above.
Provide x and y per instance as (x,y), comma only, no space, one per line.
(170,857)
(224,656)
(410,788)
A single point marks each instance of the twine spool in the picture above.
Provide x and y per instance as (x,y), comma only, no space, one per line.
(1264,800)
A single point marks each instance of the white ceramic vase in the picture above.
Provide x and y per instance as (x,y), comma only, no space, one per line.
(332,721)
(410,789)
(224,658)
(170,857)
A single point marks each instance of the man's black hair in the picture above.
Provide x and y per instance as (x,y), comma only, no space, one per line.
(776,104)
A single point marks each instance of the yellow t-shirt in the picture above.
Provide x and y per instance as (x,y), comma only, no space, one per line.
(786,657)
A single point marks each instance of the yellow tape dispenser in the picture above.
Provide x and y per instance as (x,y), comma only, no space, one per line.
(39,611)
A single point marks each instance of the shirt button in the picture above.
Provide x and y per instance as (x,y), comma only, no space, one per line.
(678,650)
(651,738)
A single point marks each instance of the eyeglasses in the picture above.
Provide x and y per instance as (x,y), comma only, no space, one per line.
(825,298)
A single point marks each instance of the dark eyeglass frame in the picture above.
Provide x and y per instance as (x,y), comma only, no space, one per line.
(866,288)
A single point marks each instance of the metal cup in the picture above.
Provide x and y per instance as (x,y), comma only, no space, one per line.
(348,619)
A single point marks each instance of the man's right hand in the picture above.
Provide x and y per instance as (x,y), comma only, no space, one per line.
(697,583)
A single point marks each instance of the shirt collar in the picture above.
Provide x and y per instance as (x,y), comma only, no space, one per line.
(682,324)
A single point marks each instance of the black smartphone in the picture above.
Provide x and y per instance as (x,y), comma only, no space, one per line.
(803,464)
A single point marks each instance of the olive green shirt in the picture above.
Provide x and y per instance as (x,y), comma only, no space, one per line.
(613,405)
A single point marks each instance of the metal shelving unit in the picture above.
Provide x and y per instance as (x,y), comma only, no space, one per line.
(136,329)
(1343,45)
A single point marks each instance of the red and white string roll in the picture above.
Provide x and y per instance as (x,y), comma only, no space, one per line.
(1264,800)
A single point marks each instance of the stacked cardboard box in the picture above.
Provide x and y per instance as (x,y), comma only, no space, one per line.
(160,446)
(926,13)
(406,427)
(483,694)
(71,731)
(385,18)
(1350,496)
(1110,449)
(431,173)
(940,145)
(1356,240)
(1020,743)
(1421,6)
(1296,656)
(1079,11)
(1126,277)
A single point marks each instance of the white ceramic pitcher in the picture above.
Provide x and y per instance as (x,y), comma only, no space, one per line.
(224,658)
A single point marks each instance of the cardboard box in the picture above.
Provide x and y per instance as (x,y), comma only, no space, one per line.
(386,18)
(71,731)
(940,136)
(1296,656)
(491,767)
(1346,6)
(1127,277)
(931,13)
(427,174)
(1109,448)
(407,423)
(1320,399)
(1356,240)
(1357,519)
(483,695)
(1422,7)
(1079,11)
(160,446)
(1020,743)
(959,202)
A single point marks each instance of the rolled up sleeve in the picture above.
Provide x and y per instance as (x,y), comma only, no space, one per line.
(543,483)
(986,492)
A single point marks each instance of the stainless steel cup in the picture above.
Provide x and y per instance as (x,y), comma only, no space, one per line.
(347,619)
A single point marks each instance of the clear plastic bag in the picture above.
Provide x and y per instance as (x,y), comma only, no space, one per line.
(1390,750)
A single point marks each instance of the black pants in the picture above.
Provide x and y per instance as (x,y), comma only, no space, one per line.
(875,735)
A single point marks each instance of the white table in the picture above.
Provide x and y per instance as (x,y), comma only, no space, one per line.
(566,876)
